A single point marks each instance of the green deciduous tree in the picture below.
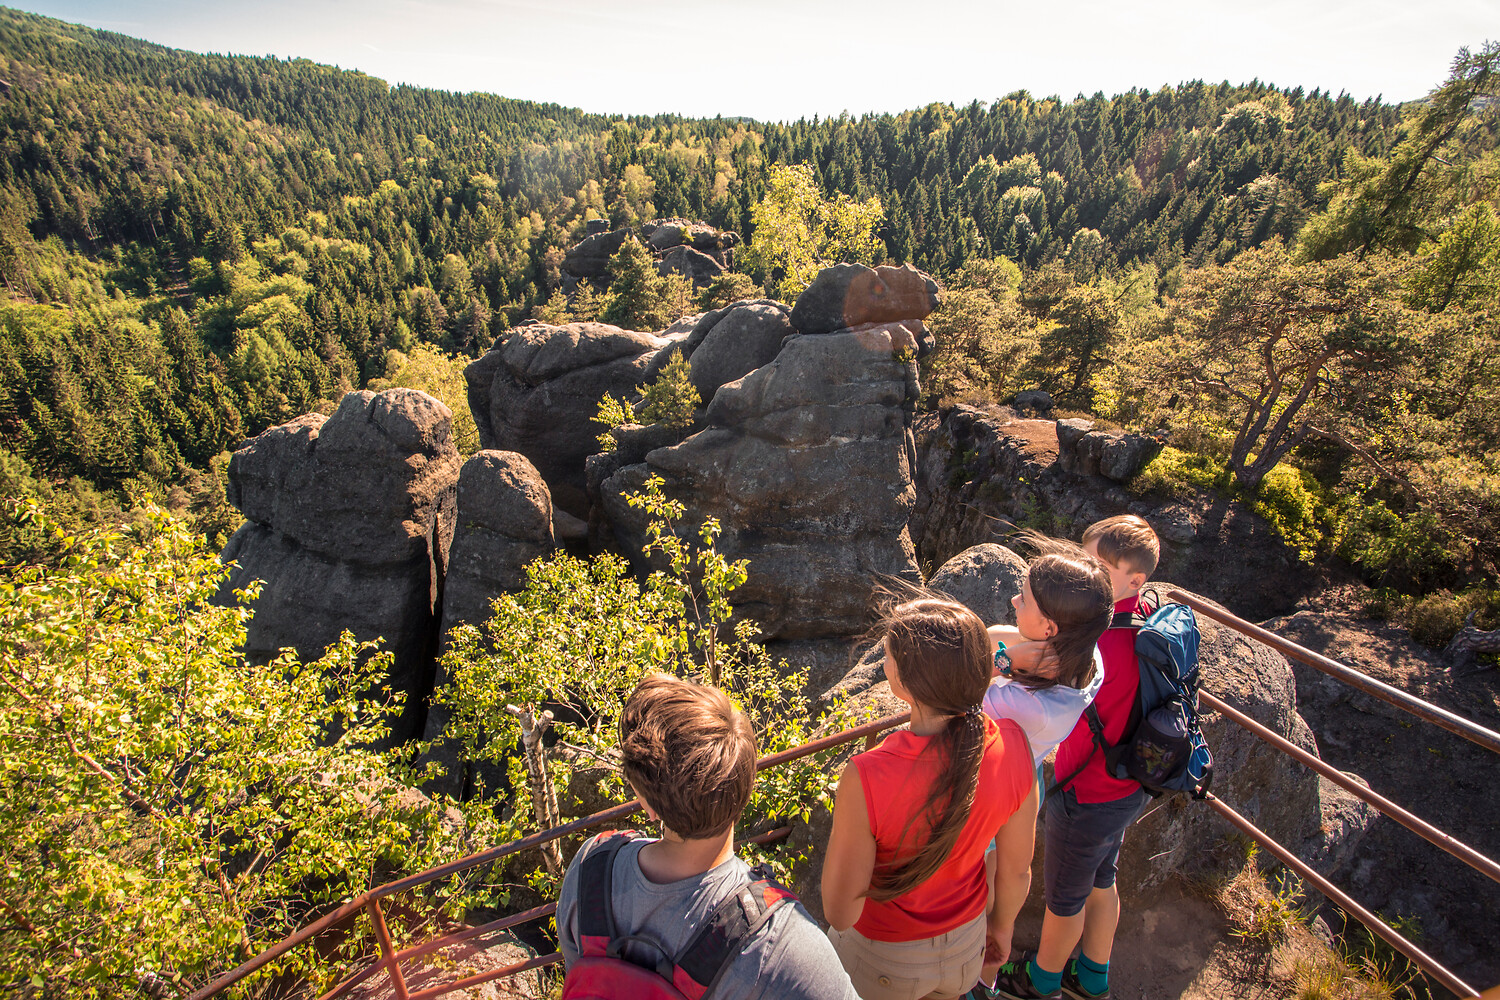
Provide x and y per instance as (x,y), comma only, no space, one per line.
(798,232)
(166,809)
(582,634)
(1284,352)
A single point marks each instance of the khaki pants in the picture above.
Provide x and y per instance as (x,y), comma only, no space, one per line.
(943,966)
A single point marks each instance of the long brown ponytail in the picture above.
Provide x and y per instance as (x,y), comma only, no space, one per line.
(942,655)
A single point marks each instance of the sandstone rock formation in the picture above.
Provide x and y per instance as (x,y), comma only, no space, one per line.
(980,474)
(504,522)
(536,391)
(727,344)
(851,295)
(693,249)
(1111,454)
(349,522)
(806,462)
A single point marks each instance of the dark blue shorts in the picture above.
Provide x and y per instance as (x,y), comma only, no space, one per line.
(1083,846)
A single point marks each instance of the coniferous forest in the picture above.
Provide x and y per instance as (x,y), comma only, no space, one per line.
(1297,291)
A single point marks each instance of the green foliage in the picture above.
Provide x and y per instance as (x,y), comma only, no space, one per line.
(1438,617)
(441,376)
(671,399)
(167,809)
(727,288)
(613,412)
(1177,473)
(1392,202)
(582,634)
(798,232)
(1292,501)
(638,297)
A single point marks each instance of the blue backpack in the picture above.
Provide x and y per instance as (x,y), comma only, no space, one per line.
(1163,747)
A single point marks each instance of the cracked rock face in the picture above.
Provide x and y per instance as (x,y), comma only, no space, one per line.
(504,523)
(537,391)
(349,522)
(806,462)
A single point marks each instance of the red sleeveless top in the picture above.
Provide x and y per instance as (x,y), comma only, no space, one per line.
(897,777)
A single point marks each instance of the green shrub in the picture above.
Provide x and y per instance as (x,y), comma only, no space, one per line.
(1435,619)
(1177,473)
(1291,500)
(1413,552)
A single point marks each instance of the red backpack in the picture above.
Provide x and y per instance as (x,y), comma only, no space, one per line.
(603,973)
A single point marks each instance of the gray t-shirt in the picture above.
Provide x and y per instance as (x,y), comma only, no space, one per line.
(789,958)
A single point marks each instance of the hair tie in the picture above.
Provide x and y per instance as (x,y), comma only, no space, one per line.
(973,711)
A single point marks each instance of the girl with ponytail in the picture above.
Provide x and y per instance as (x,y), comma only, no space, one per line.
(906,890)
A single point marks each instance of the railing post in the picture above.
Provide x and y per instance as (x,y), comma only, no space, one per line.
(388,951)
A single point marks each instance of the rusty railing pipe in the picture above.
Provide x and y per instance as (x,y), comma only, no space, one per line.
(1415,824)
(363,900)
(1393,938)
(1456,724)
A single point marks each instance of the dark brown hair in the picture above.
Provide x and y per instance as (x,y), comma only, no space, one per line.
(942,655)
(1125,539)
(689,753)
(1071,588)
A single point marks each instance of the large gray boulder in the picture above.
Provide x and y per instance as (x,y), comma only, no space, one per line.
(1111,454)
(504,523)
(697,267)
(536,392)
(350,518)
(806,462)
(984,579)
(732,342)
(590,258)
(850,295)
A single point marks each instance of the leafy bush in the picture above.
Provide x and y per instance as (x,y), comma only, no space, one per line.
(1291,500)
(1412,552)
(1435,619)
(1176,473)
(167,809)
(582,634)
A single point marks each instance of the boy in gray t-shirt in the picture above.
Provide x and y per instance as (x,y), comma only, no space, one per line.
(690,757)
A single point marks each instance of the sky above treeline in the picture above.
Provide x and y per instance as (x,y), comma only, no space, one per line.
(779,60)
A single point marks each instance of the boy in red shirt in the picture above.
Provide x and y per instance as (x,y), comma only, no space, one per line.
(1086,821)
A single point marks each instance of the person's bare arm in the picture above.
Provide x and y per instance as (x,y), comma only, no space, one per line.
(849,860)
(1014,846)
(1025,654)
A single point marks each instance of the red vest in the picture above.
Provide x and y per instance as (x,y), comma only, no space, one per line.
(897,777)
(1122,682)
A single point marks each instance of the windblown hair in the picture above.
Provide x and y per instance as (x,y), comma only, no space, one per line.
(942,655)
(1071,588)
(689,753)
(1125,539)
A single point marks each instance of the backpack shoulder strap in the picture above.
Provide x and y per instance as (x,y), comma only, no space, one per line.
(708,954)
(1096,726)
(596,912)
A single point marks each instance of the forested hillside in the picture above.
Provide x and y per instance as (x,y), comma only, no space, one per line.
(198,247)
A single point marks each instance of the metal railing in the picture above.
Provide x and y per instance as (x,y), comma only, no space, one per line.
(391,960)
(1466,728)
